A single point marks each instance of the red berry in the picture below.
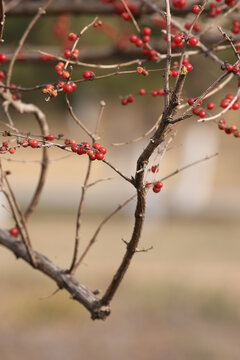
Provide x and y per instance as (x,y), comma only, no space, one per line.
(3,58)
(65,75)
(124,102)
(96,146)
(130,99)
(196,9)
(86,75)
(81,150)
(74,147)
(145,39)
(189,67)
(158,185)
(146,31)
(193,41)
(24,143)
(11,150)
(133,38)
(227,130)
(72,37)
(202,114)
(210,106)
(125,16)
(142,91)
(160,92)
(33,143)
(224,103)
(2,75)
(154,169)
(103,150)
(67,53)
(196,27)
(156,189)
(229,67)
(154,93)
(174,73)
(191,101)
(177,39)
(73,85)
(233,128)
(235,106)
(13,231)
(139,43)
(67,88)
(99,156)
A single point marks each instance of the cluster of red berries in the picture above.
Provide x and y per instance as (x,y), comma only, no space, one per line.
(230,68)
(229,129)
(142,42)
(196,27)
(141,92)
(95,152)
(156,186)
(13,231)
(214,10)
(236,27)
(226,101)
(179,4)
(197,110)
(4,148)
(229,2)
(88,75)
(120,9)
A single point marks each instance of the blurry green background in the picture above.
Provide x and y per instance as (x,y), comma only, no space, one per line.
(178,301)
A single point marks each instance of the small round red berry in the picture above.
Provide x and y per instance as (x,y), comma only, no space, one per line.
(235,106)
(156,189)
(3,58)
(125,16)
(96,146)
(145,39)
(65,75)
(67,53)
(13,231)
(73,85)
(11,150)
(196,27)
(202,113)
(139,43)
(233,128)
(33,143)
(142,92)
(72,141)
(210,106)
(224,103)
(221,124)
(74,147)
(133,38)
(130,99)
(154,168)
(103,150)
(91,155)
(160,92)
(2,75)
(67,88)
(191,101)
(99,156)
(154,93)
(196,9)
(124,102)
(227,130)
(229,67)
(146,31)
(189,67)
(72,36)
(159,184)
(193,41)
(81,150)
(174,73)
(25,143)
(177,39)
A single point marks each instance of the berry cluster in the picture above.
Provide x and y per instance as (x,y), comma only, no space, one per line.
(96,151)
(229,129)
(157,185)
(143,41)
(88,75)
(226,101)
(130,99)
(196,27)
(230,68)
(236,27)
(5,148)
(214,10)
(179,4)
(120,9)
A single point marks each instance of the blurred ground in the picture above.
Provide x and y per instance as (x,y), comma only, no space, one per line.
(179,301)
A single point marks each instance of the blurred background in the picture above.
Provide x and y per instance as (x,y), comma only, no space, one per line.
(178,301)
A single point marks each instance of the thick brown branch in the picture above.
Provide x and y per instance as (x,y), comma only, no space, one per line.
(77,291)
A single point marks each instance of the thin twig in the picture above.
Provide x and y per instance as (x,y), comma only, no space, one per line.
(100,226)
(2,19)
(102,107)
(40,12)
(169,52)
(78,222)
